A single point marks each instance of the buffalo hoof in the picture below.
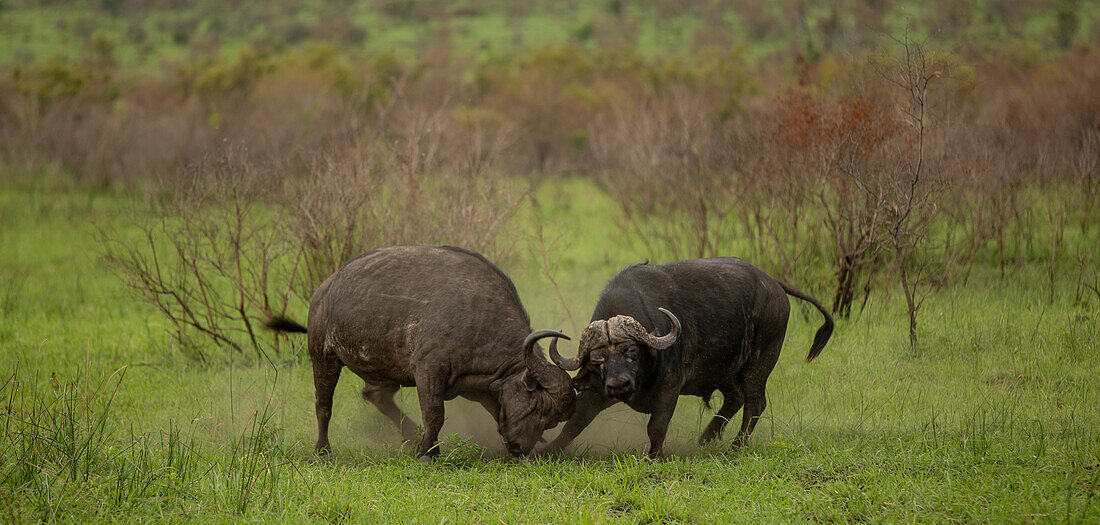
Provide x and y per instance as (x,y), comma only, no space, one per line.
(425,459)
(709,435)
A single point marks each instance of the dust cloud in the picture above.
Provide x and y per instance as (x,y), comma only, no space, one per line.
(616,430)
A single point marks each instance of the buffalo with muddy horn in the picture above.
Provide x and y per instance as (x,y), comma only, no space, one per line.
(684,328)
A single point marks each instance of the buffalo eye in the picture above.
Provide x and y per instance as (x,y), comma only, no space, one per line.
(530,381)
(631,352)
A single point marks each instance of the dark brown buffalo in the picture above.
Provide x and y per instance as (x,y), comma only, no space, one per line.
(724,322)
(444,320)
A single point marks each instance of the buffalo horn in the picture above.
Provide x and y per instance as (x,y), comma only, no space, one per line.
(552,378)
(572,363)
(625,327)
(661,343)
(534,362)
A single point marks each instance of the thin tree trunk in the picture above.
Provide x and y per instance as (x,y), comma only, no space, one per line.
(910,303)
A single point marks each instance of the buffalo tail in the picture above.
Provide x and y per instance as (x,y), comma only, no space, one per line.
(282,324)
(823,333)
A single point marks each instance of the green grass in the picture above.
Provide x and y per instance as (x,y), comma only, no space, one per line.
(992,418)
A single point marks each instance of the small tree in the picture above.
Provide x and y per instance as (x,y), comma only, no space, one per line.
(907,190)
(838,150)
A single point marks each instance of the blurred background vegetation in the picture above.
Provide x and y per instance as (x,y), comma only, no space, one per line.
(144,34)
(845,145)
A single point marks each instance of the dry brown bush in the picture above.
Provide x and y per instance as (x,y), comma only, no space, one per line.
(669,164)
(909,185)
(1026,131)
(412,186)
(212,256)
(223,245)
(835,153)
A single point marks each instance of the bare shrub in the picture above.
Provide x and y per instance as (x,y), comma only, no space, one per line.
(699,153)
(546,251)
(1086,166)
(669,166)
(353,205)
(985,199)
(1032,133)
(1086,176)
(230,242)
(776,207)
(910,185)
(212,257)
(548,96)
(835,152)
(415,179)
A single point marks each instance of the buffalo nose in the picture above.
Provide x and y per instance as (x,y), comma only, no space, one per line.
(617,386)
(618,381)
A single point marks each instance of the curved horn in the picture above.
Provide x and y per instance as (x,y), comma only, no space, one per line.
(663,342)
(623,327)
(536,362)
(552,378)
(572,363)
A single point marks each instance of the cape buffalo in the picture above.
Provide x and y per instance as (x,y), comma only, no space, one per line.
(725,334)
(442,319)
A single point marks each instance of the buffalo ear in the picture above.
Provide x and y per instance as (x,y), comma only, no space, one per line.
(530,381)
(582,381)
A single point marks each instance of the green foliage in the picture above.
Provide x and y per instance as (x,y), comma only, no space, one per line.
(248,67)
(51,81)
(1069,22)
(582,34)
(112,6)
(408,26)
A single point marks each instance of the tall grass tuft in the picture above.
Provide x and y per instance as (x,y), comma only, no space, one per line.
(250,474)
(56,438)
(64,457)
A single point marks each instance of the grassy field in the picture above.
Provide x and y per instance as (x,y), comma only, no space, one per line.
(992,418)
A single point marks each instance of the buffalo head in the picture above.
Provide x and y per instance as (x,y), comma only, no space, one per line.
(617,351)
(534,400)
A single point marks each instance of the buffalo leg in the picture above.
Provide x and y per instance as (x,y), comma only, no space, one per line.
(658,425)
(381,396)
(731,403)
(753,383)
(326,373)
(754,407)
(588,404)
(430,389)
